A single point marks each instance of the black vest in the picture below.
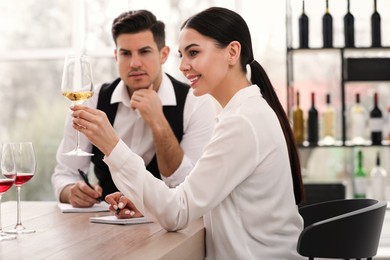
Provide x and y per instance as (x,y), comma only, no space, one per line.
(173,114)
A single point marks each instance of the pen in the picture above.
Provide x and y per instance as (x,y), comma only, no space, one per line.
(85,178)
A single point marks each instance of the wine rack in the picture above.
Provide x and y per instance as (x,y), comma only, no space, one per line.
(354,65)
(362,67)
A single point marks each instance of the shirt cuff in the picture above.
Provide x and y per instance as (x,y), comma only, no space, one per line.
(118,156)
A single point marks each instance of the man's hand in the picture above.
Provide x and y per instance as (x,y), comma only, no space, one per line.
(122,206)
(148,103)
(168,150)
(80,195)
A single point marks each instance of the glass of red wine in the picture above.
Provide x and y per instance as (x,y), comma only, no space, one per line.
(25,165)
(7,179)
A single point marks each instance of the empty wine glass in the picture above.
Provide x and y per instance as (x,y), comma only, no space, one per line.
(25,165)
(7,179)
(77,86)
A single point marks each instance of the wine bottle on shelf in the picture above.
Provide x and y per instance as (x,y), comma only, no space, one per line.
(327,28)
(378,180)
(358,122)
(349,28)
(328,123)
(303,28)
(298,122)
(360,178)
(312,123)
(375,28)
(376,123)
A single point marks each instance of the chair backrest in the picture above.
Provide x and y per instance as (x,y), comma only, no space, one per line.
(321,192)
(345,229)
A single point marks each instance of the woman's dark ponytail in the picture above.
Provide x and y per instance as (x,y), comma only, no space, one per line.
(260,78)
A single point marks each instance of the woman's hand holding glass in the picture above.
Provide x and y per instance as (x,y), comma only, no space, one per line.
(94,124)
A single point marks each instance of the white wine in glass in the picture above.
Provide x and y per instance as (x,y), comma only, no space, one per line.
(77,86)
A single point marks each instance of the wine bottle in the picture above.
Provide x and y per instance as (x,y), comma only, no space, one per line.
(349,28)
(378,180)
(327,28)
(298,122)
(375,27)
(360,178)
(303,28)
(328,122)
(376,123)
(358,122)
(312,123)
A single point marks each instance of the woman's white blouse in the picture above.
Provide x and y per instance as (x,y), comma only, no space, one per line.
(242,186)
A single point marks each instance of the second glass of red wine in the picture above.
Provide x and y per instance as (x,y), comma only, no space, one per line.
(25,163)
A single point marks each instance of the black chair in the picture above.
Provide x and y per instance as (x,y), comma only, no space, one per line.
(341,229)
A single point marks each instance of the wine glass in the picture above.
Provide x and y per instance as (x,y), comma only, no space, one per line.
(7,179)
(77,86)
(25,168)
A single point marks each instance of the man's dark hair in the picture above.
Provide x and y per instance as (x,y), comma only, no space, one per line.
(138,21)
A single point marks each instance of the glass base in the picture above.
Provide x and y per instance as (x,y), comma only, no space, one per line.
(19,229)
(4,236)
(78,152)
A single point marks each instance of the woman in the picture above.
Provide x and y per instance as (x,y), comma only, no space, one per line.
(247,184)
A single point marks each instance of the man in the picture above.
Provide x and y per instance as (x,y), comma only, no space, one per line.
(156,115)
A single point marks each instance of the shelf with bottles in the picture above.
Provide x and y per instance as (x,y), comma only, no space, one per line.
(368,124)
(337,165)
(369,178)
(336,24)
(334,66)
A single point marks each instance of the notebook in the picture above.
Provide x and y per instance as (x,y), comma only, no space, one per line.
(114,220)
(68,208)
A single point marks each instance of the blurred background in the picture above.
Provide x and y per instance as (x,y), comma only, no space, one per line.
(37,34)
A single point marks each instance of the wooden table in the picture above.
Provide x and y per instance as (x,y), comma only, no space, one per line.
(72,236)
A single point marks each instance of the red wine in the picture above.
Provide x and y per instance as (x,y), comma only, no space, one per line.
(312,123)
(327,28)
(375,28)
(303,28)
(349,29)
(22,178)
(376,123)
(5,184)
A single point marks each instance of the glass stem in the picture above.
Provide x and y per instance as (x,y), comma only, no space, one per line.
(77,140)
(19,217)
